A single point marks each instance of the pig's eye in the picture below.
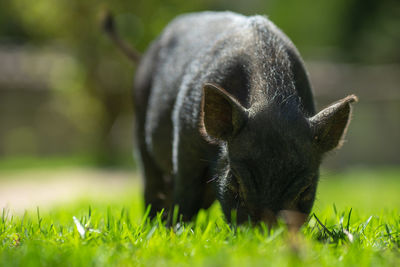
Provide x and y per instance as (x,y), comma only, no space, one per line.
(303,193)
(306,193)
(304,190)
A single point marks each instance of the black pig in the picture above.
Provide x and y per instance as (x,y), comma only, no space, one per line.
(224,109)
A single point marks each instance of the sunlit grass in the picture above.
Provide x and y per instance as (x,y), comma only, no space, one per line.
(344,230)
(13,164)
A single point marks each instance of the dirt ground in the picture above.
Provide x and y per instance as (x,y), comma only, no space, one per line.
(23,190)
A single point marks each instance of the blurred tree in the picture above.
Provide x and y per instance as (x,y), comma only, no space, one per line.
(74,26)
(10,27)
(371,31)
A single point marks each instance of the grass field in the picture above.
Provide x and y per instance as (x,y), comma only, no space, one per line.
(355,222)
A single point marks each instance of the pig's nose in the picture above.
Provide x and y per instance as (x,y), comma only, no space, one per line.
(293,219)
(268,217)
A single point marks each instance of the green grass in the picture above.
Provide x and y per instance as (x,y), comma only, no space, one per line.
(17,163)
(356,222)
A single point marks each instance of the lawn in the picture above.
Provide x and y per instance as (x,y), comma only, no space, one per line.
(355,222)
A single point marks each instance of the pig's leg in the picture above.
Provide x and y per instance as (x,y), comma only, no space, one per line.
(189,189)
(155,189)
(209,191)
(190,171)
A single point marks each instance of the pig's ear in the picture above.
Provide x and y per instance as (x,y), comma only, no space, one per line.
(222,116)
(330,124)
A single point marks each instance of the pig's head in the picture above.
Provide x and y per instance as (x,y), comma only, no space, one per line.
(270,156)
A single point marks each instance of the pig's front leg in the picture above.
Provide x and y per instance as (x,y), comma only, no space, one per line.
(190,169)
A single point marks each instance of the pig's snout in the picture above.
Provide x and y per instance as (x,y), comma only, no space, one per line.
(293,219)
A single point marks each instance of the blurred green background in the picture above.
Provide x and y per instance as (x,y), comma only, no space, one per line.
(65,90)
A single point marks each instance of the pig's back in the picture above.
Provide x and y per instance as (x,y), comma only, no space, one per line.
(179,56)
(185,41)
(198,48)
